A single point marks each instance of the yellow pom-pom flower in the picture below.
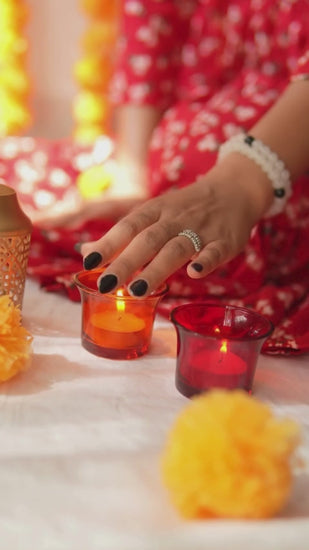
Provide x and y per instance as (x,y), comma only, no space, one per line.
(227,455)
(15,340)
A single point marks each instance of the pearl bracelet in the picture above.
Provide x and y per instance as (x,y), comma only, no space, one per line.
(268,161)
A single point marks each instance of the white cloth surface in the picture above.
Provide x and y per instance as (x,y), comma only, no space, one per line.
(81,439)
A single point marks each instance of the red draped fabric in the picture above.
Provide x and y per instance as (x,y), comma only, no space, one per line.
(215,68)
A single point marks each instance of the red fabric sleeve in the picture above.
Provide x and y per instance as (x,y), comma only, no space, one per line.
(302,70)
(152,33)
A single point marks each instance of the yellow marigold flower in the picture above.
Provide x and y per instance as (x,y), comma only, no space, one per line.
(15,115)
(90,108)
(100,35)
(87,132)
(15,80)
(15,340)
(227,455)
(99,9)
(93,72)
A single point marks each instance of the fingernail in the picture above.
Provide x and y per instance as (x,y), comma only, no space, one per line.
(77,247)
(139,287)
(92,260)
(107,283)
(197,267)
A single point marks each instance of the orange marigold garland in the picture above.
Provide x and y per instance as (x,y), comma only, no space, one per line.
(91,109)
(15,340)
(15,114)
(227,455)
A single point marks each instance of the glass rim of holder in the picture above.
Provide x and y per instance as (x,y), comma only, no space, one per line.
(217,346)
(112,295)
(268,325)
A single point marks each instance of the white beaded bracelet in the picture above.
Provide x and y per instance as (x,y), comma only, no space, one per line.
(268,161)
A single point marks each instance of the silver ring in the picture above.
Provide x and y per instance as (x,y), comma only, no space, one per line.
(193,237)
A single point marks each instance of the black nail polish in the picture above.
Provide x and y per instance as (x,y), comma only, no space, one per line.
(92,260)
(107,283)
(139,287)
(197,267)
(77,247)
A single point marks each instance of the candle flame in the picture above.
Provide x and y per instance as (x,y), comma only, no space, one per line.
(120,304)
(224,346)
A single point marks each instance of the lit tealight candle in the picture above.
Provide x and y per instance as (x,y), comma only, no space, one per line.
(213,369)
(118,328)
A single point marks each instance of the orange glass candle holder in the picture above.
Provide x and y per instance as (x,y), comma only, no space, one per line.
(115,325)
(217,346)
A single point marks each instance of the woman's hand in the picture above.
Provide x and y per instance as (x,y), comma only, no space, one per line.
(144,248)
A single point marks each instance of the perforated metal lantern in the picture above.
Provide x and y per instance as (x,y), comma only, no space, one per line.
(15,236)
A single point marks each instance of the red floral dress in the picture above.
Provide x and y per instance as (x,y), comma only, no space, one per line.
(214,67)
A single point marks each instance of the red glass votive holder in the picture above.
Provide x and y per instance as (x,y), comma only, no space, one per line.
(115,325)
(217,346)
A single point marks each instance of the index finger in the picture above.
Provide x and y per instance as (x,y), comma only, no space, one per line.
(121,234)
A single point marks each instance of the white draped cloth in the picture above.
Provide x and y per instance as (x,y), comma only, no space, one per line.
(81,439)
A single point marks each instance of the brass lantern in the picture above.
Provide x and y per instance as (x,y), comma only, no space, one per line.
(15,236)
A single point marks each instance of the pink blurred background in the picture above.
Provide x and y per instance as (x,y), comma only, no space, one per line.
(54,31)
